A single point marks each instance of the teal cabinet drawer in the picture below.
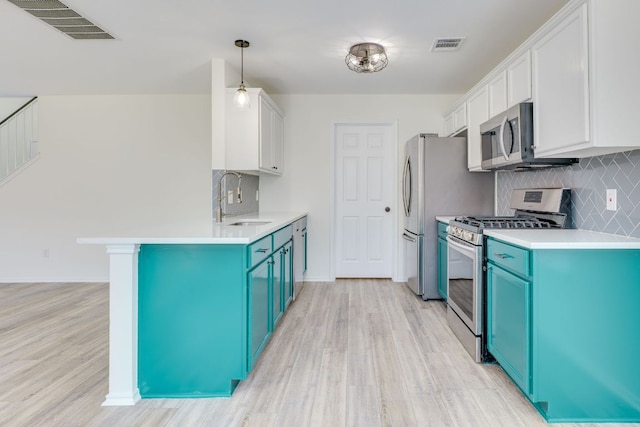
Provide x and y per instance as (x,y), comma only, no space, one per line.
(442,229)
(257,251)
(282,236)
(511,257)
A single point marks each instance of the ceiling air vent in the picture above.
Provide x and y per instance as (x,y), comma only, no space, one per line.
(448,44)
(60,17)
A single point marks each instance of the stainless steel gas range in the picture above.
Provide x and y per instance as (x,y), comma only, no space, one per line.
(534,209)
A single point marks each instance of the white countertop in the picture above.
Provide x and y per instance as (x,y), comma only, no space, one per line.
(206,232)
(446,218)
(564,239)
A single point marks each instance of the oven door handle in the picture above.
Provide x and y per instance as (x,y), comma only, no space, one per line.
(469,249)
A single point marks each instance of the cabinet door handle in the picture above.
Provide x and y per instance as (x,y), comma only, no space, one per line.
(503,256)
(262,250)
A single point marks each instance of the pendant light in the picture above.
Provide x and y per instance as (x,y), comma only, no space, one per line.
(241,98)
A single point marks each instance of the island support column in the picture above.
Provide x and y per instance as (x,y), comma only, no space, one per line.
(123,325)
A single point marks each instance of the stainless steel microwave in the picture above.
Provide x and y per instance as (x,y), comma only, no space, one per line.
(507,141)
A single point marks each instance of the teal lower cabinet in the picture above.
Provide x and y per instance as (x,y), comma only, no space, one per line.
(508,317)
(260,281)
(443,281)
(564,325)
(282,280)
(442,268)
(278,306)
(206,312)
(287,273)
(192,320)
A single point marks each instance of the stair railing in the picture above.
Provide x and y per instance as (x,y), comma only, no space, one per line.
(18,140)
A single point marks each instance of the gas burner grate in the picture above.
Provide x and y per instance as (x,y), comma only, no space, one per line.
(505,222)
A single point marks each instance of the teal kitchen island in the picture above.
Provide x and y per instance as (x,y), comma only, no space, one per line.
(191,309)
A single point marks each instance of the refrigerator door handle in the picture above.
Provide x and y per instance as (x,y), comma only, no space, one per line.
(405,236)
(406,198)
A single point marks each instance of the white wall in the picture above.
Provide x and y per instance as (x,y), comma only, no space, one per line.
(107,163)
(9,105)
(305,185)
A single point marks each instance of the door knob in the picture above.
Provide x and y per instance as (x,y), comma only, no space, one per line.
(387,209)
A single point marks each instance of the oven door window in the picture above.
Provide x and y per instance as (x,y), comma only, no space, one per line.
(463,280)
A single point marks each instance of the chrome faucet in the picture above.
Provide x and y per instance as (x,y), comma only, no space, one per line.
(219,213)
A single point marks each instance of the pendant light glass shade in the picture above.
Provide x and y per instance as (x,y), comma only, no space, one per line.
(366,58)
(241,98)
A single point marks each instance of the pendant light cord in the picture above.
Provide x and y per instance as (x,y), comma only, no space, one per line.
(242,65)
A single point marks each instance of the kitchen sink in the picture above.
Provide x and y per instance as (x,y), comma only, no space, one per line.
(240,223)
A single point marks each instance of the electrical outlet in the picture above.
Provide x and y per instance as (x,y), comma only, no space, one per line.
(230,197)
(256,195)
(612,199)
(45,253)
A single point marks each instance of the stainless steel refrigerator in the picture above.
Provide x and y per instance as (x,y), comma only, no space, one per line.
(436,182)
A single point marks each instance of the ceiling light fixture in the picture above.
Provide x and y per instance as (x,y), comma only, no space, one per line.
(366,58)
(241,98)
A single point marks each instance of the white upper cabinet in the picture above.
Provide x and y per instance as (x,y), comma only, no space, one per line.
(585,80)
(477,113)
(455,120)
(498,94)
(519,80)
(448,125)
(460,117)
(561,82)
(581,71)
(255,136)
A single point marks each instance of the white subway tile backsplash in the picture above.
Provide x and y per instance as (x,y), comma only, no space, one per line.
(589,181)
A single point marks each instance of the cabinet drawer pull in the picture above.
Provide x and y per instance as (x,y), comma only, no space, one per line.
(503,256)
(262,250)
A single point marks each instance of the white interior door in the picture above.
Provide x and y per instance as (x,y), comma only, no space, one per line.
(364,199)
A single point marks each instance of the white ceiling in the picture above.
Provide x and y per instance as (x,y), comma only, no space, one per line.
(297,46)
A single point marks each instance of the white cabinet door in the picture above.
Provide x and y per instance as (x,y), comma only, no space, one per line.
(561,86)
(519,80)
(266,130)
(277,142)
(255,136)
(448,125)
(460,117)
(477,113)
(498,94)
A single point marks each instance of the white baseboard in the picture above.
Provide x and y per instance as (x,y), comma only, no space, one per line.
(308,278)
(122,399)
(54,280)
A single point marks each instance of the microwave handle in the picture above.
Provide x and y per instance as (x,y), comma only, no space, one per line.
(501,138)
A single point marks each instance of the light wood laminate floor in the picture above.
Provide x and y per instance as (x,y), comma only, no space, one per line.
(350,353)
